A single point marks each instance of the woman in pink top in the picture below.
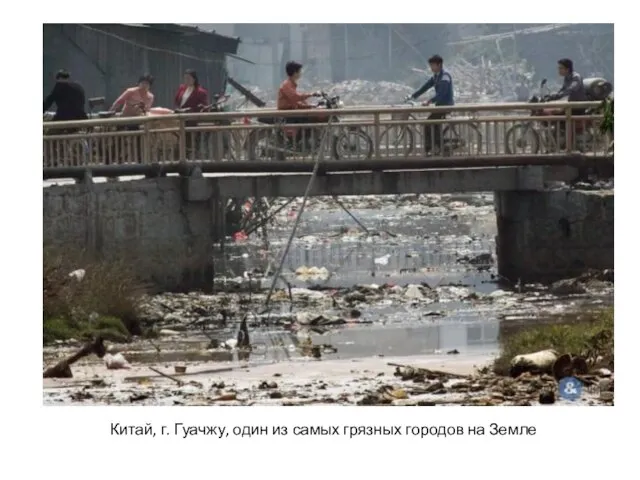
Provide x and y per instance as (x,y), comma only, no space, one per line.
(135,101)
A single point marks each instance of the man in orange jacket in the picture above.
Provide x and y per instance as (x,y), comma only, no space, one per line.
(290,99)
(288,96)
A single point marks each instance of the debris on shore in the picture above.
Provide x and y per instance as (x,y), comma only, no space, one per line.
(395,384)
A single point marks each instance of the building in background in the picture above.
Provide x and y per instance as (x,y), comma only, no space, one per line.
(589,45)
(107,58)
(265,45)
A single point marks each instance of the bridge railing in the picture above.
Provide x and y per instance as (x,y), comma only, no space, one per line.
(354,134)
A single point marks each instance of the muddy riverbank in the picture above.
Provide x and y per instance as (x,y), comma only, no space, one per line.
(367,381)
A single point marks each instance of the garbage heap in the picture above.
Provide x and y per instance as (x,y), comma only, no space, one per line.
(474,83)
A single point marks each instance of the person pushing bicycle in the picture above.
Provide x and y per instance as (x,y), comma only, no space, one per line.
(442,82)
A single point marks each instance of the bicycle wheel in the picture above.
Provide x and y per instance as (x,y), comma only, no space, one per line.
(522,138)
(352,143)
(464,138)
(397,139)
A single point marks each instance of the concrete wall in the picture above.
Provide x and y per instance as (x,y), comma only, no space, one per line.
(548,235)
(146,222)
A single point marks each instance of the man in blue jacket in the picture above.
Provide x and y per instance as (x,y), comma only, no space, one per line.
(443,84)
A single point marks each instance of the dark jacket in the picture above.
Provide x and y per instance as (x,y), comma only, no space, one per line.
(69,99)
(197,99)
(573,88)
(443,84)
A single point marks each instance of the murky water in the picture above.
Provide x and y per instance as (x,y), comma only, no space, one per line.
(345,343)
(406,244)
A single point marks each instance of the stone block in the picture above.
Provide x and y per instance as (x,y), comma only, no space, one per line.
(547,235)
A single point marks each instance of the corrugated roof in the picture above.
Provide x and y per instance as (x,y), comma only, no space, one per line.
(187,29)
(209,40)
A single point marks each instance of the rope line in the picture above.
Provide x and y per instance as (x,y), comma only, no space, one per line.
(300,212)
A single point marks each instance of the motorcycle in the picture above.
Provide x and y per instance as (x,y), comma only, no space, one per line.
(550,136)
(286,138)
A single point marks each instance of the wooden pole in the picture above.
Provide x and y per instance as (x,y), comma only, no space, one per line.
(275,57)
(346,51)
(390,48)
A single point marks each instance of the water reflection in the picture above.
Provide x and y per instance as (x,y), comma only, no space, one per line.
(413,241)
(414,340)
(352,263)
(270,345)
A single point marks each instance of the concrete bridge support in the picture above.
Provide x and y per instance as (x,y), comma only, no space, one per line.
(150,224)
(548,235)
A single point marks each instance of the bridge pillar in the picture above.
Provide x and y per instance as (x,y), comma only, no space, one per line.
(164,228)
(549,235)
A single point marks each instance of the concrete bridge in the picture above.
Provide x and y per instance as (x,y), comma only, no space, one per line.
(185,168)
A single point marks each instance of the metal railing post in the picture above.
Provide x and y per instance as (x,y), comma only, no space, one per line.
(182,147)
(569,130)
(146,143)
(376,135)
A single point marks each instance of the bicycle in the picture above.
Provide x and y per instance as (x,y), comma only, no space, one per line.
(217,144)
(451,137)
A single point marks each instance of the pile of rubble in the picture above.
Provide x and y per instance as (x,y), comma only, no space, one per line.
(485,82)
(364,92)
(473,83)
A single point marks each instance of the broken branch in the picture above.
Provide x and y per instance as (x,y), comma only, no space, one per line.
(426,371)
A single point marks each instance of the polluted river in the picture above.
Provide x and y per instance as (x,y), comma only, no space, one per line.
(381,300)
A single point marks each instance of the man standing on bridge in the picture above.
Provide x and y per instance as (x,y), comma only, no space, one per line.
(443,84)
(69,99)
